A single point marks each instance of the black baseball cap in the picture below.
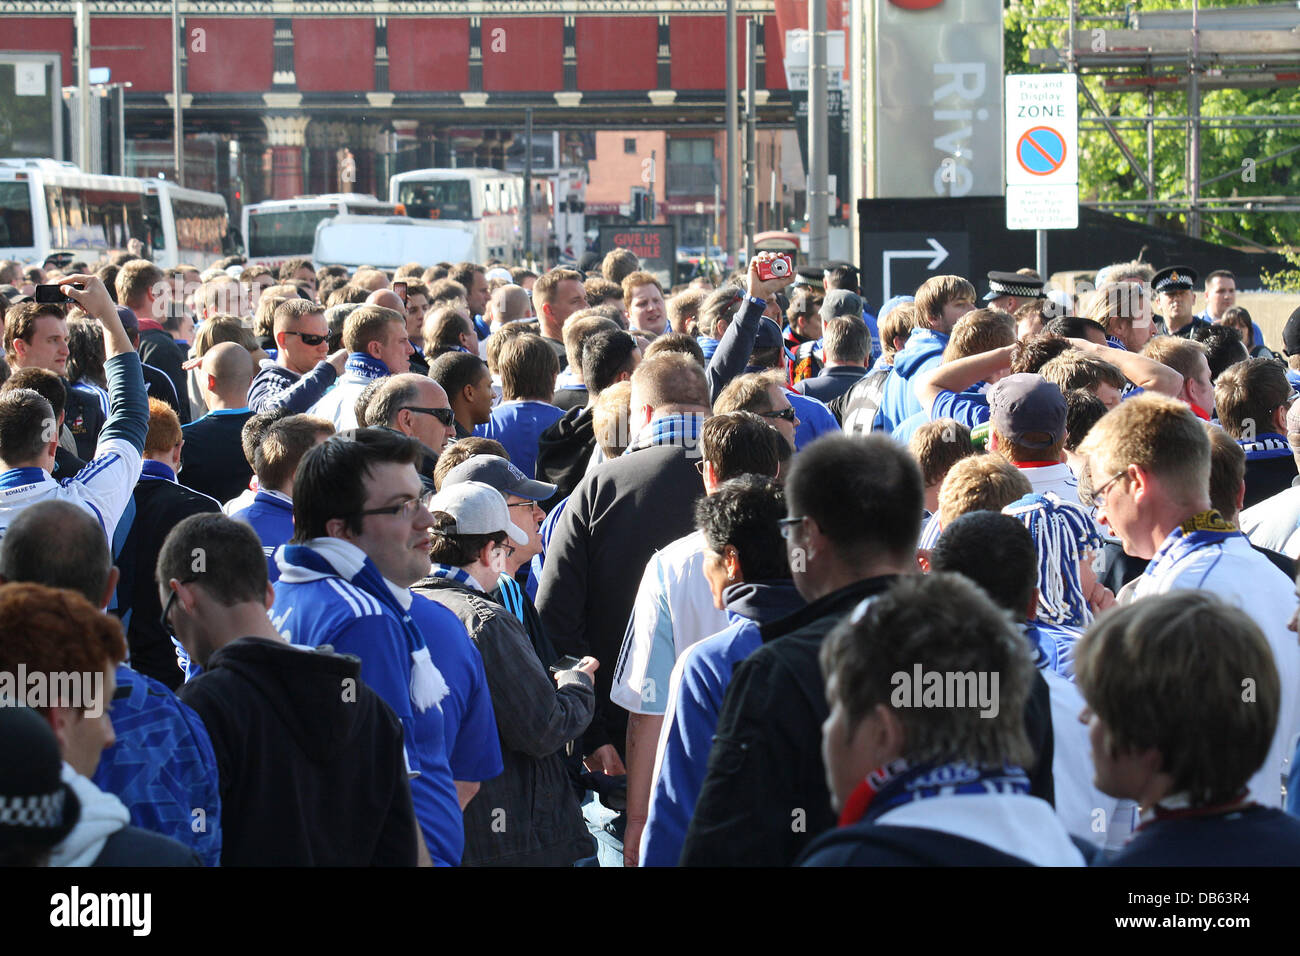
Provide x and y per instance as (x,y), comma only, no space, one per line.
(1027,404)
(500,474)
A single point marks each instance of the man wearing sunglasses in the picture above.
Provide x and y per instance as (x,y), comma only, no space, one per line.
(301,372)
(418,407)
(764,394)
(360,541)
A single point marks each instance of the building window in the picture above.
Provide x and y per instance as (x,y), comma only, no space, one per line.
(629,144)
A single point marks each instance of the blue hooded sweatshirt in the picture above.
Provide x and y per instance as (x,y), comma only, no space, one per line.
(923,352)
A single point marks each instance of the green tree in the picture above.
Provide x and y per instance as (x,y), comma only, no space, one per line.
(1237,154)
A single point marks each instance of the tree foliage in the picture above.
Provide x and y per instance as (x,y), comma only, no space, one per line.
(1104,172)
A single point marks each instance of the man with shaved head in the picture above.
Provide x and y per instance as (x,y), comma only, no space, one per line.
(509,303)
(213,460)
(386,298)
(417,406)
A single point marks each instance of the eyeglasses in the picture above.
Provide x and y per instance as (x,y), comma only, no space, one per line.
(530,505)
(167,608)
(788,525)
(444,415)
(309,339)
(406,509)
(699,466)
(786,413)
(509,549)
(1099,493)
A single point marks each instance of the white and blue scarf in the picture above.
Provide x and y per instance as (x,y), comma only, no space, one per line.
(451,573)
(1203,529)
(1063,533)
(677,429)
(332,557)
(365,366)
(899,783)
(1267,445)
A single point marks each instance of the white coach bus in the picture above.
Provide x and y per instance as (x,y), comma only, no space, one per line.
(490,201)
(52,206)
(281,229)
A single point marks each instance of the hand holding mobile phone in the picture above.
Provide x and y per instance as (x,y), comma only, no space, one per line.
(566,663)
(51,293)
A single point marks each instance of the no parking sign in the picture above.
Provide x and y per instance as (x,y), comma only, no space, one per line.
(1042,161)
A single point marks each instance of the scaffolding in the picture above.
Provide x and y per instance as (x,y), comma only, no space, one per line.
(1255,47)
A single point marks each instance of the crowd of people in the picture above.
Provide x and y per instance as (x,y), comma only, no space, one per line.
(471,565)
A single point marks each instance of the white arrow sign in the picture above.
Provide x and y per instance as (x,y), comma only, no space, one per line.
(937,254)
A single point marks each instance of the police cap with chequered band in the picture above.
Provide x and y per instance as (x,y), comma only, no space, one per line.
(1013,283)
(1174,279)
(37,809)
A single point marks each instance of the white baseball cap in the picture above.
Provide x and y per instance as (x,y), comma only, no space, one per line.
(477,509)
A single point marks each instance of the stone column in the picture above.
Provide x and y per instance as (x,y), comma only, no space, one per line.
(285,134)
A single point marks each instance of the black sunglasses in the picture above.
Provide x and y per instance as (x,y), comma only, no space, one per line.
(787,413)
(309,339)
(444,415)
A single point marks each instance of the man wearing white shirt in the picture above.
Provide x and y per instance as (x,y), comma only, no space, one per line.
(1027,415)
(1150,462)
(674,609)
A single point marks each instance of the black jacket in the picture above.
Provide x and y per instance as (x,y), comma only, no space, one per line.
(158,385)
(535,719)
(66,464)
(212,459)
(567,398)
(310,758)
(831,383)
(563,452)
(159,349)
(1265,477)
(84,417)
(765,795)
(617,518)
(157,506)
(872,844)
(132,847)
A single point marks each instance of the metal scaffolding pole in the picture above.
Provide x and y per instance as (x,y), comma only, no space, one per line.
(1194,132)
(818,215)
(178,121)
(83,86)
(528,183)
(733,185)
(751,130)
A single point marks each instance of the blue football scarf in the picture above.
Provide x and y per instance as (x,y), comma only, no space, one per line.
(1063,532)
(681,429)
(1268,445)
(425,680)
(450,573)
(156,471)
(899,783)
(365,366)
(1199,531)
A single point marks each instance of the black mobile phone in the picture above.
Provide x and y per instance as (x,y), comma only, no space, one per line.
(566,663)
(50,293)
